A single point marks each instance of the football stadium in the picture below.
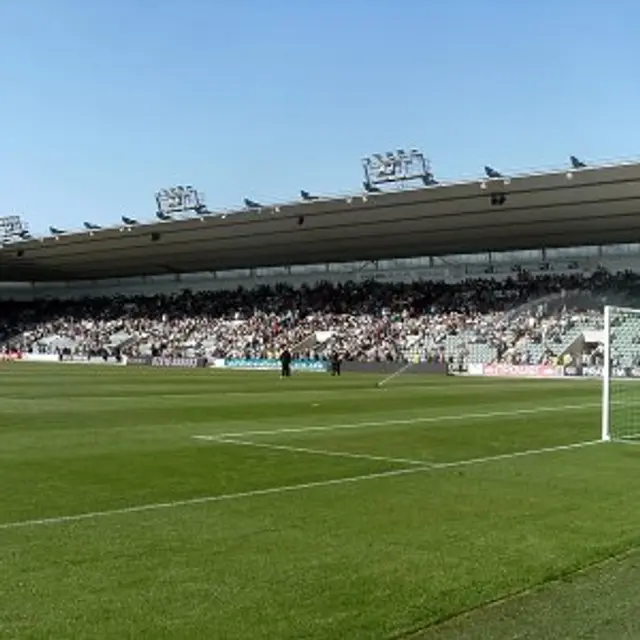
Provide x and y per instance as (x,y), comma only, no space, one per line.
(451,457)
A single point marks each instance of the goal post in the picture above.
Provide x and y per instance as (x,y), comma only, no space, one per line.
(621,375)
(606,377)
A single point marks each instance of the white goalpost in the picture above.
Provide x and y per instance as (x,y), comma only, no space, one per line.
(606,377)
(621,375)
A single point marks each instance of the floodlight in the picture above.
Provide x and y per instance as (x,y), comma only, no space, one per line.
(399,168)
(179,199)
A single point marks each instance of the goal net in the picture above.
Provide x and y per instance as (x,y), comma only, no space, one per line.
(621,374)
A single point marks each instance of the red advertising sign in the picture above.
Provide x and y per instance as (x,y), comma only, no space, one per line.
(10,356)
(523,370)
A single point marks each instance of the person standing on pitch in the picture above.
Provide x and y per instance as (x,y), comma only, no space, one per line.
(285,364)
(336,364)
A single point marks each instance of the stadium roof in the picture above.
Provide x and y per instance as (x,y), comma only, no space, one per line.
(559,209)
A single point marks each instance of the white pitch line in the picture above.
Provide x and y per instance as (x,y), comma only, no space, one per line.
(516,454)
(317,452)
(92,515)
(407,421)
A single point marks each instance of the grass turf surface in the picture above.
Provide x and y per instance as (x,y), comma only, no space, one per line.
(324,508)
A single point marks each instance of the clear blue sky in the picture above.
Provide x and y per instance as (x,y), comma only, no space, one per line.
(105,101)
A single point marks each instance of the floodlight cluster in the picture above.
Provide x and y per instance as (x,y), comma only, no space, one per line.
(396,167)
(13,229)
(400,167)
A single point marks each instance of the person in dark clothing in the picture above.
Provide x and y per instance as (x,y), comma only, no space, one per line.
(285,363)
(336,364)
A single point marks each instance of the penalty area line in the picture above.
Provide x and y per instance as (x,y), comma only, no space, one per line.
(317,452)
(408,421)
(515,454)
(228,497)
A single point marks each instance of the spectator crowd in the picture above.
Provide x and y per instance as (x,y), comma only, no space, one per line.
(367,321)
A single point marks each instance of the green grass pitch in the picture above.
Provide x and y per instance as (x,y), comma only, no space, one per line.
(313,508)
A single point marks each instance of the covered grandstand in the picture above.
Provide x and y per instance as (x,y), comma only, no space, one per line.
(567,208)
(445,273)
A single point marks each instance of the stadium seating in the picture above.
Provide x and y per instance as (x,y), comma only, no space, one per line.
(523,319)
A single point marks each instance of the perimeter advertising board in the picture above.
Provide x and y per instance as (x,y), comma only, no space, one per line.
(522,370)
(10,356)
(389,368)
(167,362)
(272,364)
(596,371)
